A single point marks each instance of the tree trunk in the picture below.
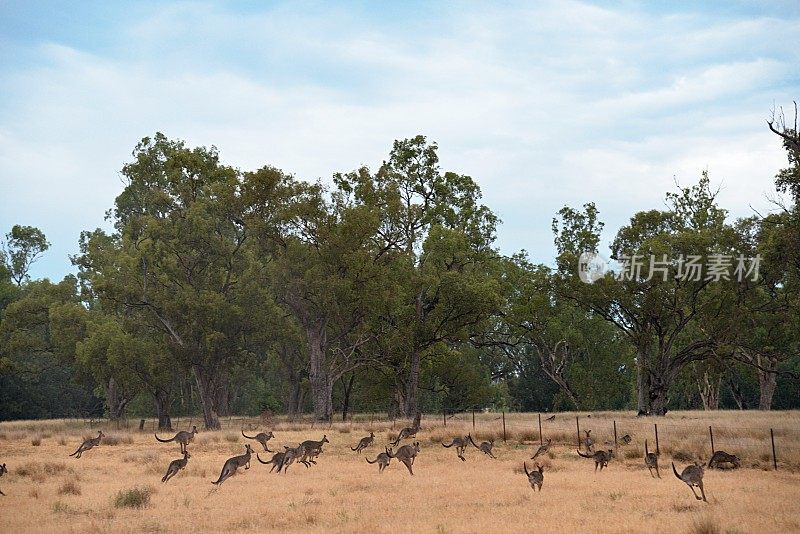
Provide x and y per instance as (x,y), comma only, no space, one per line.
(709,386)
(736,393)
(398,401)
(206,387)
(295,385)
(766,384)
(348,389)
(321,386)
(642,387)
(162,407)
(116,400)
(411,401)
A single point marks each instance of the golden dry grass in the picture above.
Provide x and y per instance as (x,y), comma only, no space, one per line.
(48,491)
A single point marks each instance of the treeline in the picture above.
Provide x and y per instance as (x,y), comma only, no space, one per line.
(221,291)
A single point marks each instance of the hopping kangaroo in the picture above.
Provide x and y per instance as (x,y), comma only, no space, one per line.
(542,449)
(88,444)
(382,459)
(485,447)
(651,460)
(276,460)
(406,454)
(409,431)
(692,475)
(588,441)
(262,438)
(461,444)
(722,457)
(233,464)
(535,477)
(183,438)
(176,465)
(600,458)
(3,471)
(364,443)
(312,449)
(297,453)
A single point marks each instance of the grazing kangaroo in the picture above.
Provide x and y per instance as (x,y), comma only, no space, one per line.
(722,457)
(485,447)
(692,475)
(651,460)
(536,477)
(88,444)
(406,454)
(3,471)
(461,444)
(262,438)
(183,438)
(542,449)
(233,464)
(626,439)
(364,443)
(600,458)
(588,441)
(276,460)
(382,459)
(410,431)
(176,465)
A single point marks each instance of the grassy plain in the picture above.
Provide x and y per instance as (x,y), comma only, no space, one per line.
(47,491)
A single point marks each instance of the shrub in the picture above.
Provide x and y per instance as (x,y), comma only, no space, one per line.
(70,487)
(36,441)
(133,498)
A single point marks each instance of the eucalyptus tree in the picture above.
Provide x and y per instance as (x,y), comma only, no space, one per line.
(23,246)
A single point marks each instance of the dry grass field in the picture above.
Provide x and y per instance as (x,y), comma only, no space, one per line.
(47,491)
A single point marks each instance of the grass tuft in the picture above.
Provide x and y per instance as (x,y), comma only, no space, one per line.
(133,498)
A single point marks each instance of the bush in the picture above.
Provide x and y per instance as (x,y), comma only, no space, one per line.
(133,498)
(70,487)
(36,441)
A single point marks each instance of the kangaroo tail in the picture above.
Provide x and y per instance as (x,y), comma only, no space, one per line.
(448,446)
(248,437)
(471,441)
(675,471)
(76,452)
(372,462)
(584,455)
(262,461)
(646,452)
(352,449)
(525,468)
(163,440)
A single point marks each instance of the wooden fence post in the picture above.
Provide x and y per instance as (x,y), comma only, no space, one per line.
(774,457)
(615,435)
(541,440)
(578,427)
(711,433)
(504,426)
(473,419)
(444,417)
(658,450)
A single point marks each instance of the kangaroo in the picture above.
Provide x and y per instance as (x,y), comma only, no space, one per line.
(542,449)
(485,447)
(626,439)
(262,438)
(588,441)
(364,443)
(3,471)
(233,464)
(176,465)
(692,475)
(406,454)
(311,450)
(88,444)
(409,432)
(461,444)
(651,460)
(292,454)
(276,460)
(183,438)
(551,418)
(600,458)
(382,459)
(722,457)
(536,477)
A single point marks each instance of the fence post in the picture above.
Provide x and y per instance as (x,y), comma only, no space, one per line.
(578,427)
(711,433)
(444,417)
(615,435)
(774,458)
(473,419)
(658,450)
(541,440)
(504,426)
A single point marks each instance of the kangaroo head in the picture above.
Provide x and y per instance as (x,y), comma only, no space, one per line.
(540,467)
(3,469)
(610,453)
(194,429)
(416,446)
(248,450)
(100,434)
(587,432)
(372,434)
(388,451)
(269,435)
(325,439)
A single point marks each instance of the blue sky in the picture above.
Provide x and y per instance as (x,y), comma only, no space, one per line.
(544,104)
